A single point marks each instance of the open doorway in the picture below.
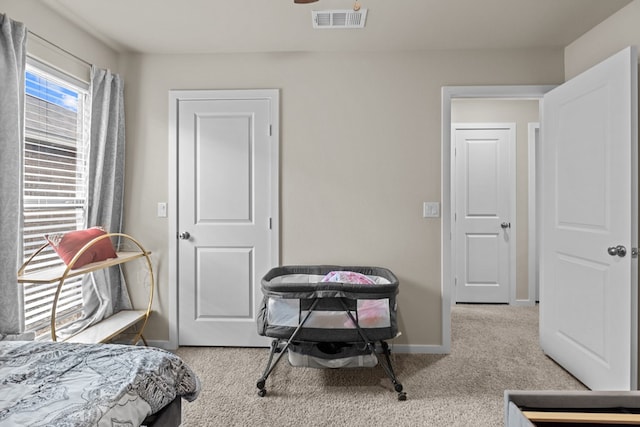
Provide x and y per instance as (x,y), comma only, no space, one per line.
(471,97)
(490,200)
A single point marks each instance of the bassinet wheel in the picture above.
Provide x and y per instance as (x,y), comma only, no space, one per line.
(260,384)
(402,396)
(397,387)
(263,391)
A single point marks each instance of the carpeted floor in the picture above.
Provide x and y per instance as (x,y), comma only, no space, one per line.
(494,348)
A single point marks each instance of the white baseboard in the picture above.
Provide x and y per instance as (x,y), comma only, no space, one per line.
(419,349)
(165,345)
(395,348)
(524,302)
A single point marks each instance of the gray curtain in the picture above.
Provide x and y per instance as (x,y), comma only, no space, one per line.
(13,36)
(104,291)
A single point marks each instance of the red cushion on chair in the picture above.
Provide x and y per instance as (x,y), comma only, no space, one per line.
(67,245)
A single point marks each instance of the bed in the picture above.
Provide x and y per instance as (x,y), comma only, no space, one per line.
(70,384)
(329,316)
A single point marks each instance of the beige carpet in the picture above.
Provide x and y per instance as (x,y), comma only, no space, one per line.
(493,348)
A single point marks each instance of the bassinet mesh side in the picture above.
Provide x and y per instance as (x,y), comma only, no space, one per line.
(330,296)
(331,355)
(330,350)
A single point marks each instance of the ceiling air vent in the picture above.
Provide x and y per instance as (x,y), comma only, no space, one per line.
(331,19)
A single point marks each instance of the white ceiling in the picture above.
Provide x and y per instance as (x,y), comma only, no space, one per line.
(212,26)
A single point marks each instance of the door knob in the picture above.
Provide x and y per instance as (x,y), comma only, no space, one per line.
(505,225)
(184,235)
(619,250)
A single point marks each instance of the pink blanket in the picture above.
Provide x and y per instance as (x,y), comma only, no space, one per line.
(370,312)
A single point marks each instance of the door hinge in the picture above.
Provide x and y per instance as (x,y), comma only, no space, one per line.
(270,224)
(634,252)
(270,130)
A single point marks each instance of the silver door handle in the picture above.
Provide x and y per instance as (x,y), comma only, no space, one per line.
(505,225)
(184,235)
(619,250)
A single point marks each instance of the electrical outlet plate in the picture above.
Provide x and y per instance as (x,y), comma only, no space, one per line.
(431,210)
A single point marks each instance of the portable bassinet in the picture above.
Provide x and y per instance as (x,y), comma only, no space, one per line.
(322,318)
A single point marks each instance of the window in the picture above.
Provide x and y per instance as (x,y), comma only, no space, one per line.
(54,184)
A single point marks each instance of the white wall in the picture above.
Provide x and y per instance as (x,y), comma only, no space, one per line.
(620,30)
(360,153)
(360,149)
(49,25)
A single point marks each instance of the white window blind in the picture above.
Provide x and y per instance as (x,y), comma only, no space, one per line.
(54,184)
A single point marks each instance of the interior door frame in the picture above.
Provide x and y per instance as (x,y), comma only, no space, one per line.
(449,93)
(175,96)
(511,127)
(533,132)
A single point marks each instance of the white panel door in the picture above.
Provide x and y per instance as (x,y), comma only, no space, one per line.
(484,225)
(226,207)
(588,296)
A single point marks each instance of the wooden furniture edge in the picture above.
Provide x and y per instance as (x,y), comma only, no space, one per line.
(578,417)
(120,326)
(54,274)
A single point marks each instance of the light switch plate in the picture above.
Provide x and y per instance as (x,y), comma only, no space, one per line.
(431,210)
(162,210)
